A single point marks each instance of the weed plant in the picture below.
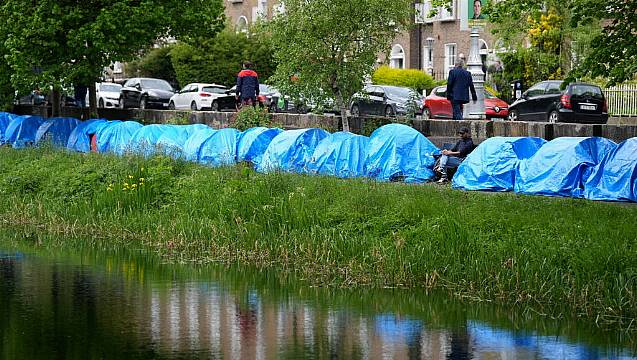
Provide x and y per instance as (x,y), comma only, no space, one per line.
(552,256)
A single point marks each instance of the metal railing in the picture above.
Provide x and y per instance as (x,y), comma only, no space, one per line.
(622,100)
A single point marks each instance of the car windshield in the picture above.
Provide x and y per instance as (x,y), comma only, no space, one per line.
(110,87)
(156,84)
(400,92)
(488,95)
(214,89)
(586,90)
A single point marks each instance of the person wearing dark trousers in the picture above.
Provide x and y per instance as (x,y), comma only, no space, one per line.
(247,85)
(451,159)
(459,82)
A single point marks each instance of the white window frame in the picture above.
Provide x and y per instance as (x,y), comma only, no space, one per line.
(397,57)
(450,59)
(423,9)
(242,24)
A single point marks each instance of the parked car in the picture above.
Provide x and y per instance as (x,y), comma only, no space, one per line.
(438,107)
(106,94)
(546,101)
(266,92)
(38,99)
(198,96)
(386,100)
(145,93)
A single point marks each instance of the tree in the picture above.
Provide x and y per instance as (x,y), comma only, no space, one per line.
(218,59)
(155,63)
(325,48)
(55,43)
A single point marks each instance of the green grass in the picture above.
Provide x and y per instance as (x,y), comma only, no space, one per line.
(554,256)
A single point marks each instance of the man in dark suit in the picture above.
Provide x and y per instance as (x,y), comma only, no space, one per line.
(459,83)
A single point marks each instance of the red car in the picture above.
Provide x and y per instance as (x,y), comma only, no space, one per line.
(438,107)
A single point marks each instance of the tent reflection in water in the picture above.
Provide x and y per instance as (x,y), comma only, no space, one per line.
(491,166)
(341,154)
(291,150)
(615,178)
(561,166)
(399,152)
(56,130)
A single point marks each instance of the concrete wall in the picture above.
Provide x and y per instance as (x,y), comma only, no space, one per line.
(439,131)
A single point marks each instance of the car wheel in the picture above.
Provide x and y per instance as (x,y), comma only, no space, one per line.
(142,103)
(214,106)
(171,105)
(100,104)
(389,111)
(193,106)
(122,105)
(513,115)
(355,111)
(554,117)
(426,113)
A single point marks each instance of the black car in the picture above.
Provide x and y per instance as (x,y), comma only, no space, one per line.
(546,101)
(386,100)
(145,93)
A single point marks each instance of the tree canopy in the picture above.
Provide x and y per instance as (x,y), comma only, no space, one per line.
(326,48)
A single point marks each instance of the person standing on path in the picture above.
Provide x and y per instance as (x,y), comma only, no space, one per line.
(459,82)
(247,85)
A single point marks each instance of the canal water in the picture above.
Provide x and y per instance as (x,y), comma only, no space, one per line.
(122,305)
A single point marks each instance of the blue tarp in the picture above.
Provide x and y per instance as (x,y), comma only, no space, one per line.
(561,166)
(397,152)
(194,143)
(56,130)
(291,150)
(80,138)
(253,143)
(172,141)
(21,131)
(615,177)
(220,149)
(5,120)
(116,138)
(144,140)
(491,166)
(341,154)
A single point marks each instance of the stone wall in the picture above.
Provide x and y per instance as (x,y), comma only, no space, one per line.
(439,131)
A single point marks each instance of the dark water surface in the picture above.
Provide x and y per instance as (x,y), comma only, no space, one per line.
(117,305)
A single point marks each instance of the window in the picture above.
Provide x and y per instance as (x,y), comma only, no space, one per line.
(242,24)
(429,57)
(117,67)
(441,91)
(397,58)
(450,56)
(553,88)
(536,90)
(423,10)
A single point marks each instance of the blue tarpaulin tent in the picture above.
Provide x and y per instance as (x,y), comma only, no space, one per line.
(5,119)
(80,137)
(615,178)
(341,154)
(172,141)
(56,130)
(491,166)
(561,166)
(22,130)
(192,147)
(291,150)
(144,140)
(116,138)
(398,152)
(220,149)
(253,143)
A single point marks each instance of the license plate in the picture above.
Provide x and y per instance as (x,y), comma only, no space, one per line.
(588,106)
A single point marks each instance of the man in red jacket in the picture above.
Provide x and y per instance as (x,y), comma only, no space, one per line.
(247,85)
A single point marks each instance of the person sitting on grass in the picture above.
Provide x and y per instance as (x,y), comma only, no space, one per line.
(451,159)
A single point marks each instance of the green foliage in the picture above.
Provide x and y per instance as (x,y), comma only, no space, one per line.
(325,48)
(414,79)
(156,63)
(250,116)
(179,119)
(219,59)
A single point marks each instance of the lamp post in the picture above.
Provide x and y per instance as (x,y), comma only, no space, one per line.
(476,111)
(429,57)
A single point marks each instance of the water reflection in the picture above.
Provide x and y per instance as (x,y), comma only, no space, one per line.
(123,306)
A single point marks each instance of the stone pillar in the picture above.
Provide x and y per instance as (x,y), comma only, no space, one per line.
(475,111)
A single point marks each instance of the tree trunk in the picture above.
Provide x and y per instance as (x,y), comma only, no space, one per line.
(92,101)
(56,98)
(341,105)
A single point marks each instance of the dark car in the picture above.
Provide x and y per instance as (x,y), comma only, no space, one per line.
(546,101)
(145,93)
(386,100)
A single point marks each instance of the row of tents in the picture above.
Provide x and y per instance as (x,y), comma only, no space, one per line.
(592,168)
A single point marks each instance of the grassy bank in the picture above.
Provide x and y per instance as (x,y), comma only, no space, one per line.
(554,256)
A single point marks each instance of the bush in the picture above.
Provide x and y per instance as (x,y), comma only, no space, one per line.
(414,79)
(156,63)
(249,117)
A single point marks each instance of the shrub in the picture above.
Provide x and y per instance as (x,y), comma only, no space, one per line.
(249,117)
(414,79)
